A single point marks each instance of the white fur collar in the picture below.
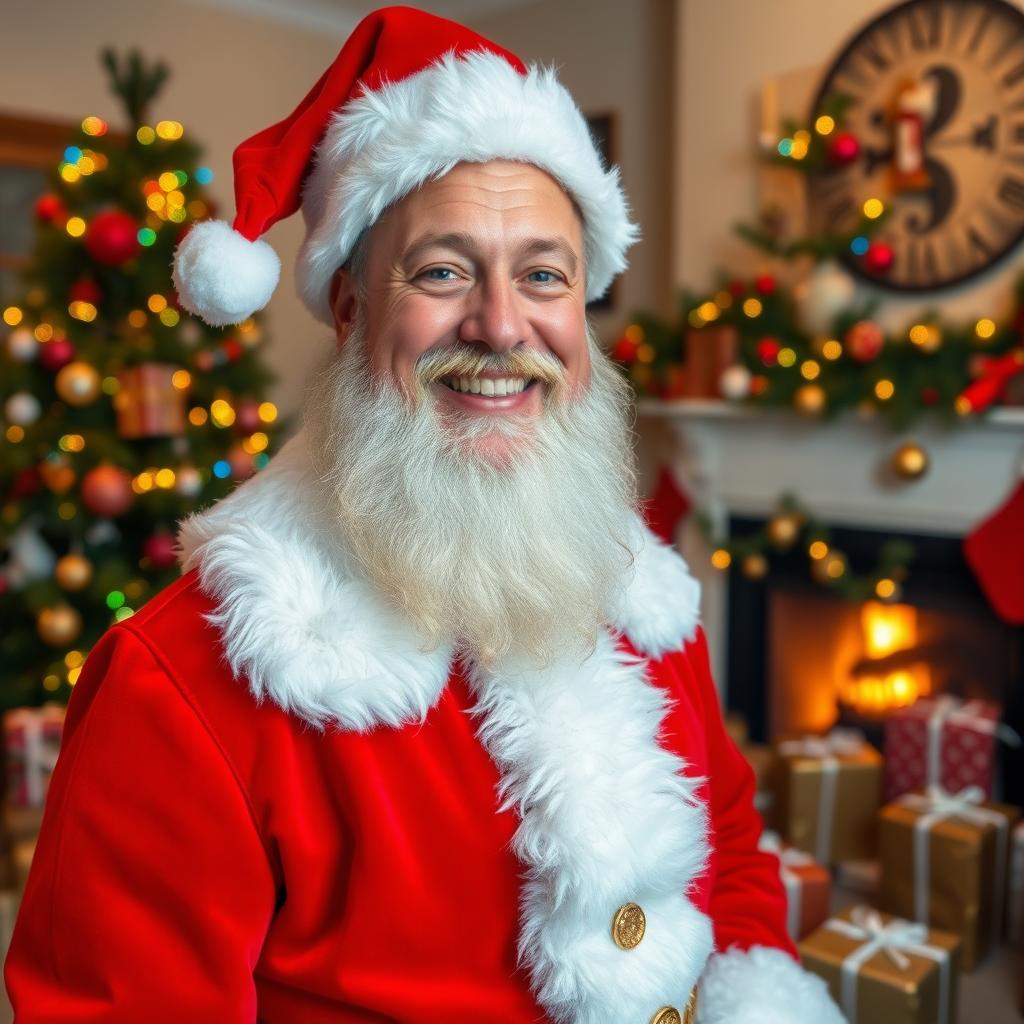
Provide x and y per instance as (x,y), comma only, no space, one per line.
(313,636)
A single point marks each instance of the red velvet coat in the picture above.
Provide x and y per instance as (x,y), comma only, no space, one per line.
(271,806)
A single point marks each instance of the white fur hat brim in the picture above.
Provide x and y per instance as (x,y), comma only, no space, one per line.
(387,142)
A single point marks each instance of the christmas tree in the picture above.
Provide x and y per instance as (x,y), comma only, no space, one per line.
(122,413)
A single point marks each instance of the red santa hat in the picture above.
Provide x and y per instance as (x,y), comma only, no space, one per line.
(409,96)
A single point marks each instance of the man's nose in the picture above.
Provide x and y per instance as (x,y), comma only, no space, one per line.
(495,316)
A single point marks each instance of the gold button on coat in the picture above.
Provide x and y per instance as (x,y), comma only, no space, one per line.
(667,1015)
(628,926)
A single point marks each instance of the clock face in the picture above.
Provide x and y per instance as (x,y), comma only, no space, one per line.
(936,101)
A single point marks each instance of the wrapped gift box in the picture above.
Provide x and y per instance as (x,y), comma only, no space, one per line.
(944,864)
(1015,929)
(816,777)
(808,886)
(883,969)
(763,759)
(32,738)
(942,742)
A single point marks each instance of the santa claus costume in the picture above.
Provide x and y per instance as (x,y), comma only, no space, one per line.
(274,803)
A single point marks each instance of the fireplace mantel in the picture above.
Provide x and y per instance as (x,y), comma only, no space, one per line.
(738,460)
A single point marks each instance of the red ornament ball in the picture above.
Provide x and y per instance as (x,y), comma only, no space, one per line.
(624,350)
(159,549)
(864,341)
(50,209)
(879,258)
(56,353)
(240,462)
(85,289)
(843,149)
(736,288)
(26,481)
(765,284)
(768,351)
(107,491)
(112,238)
(232,349)
(247,417)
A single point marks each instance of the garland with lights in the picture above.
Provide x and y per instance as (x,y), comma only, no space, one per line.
(122,414)
(792,526)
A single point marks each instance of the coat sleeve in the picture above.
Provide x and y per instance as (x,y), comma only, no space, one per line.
(150,891)
(755,977)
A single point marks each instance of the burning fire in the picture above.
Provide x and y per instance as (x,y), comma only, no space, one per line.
(887,629)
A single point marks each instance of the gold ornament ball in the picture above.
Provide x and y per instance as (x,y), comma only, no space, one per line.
(59,626)
(783,530)
(755,566)
(910,461)
(57,473)
(73,572)
(78,383)
(810,399)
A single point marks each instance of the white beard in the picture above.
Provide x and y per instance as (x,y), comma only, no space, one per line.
(521,557)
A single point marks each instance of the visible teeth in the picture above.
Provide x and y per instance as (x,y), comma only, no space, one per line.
(487,386)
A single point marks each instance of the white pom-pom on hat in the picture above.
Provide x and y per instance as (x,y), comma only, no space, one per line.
(221,276)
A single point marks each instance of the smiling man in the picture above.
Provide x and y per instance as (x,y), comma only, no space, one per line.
(426,731)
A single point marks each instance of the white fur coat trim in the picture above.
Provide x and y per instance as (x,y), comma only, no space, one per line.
(312,635)
(763,986)
(387,142)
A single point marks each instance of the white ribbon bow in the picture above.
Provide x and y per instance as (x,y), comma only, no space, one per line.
(894,939)
(937,805)
(789,857)
(828,749)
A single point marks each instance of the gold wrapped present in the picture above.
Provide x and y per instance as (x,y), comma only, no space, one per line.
(944,863)
(763,759)
(883,968)
(817,776)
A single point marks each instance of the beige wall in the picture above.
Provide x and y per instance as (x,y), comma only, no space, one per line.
(727,49)
(614,55)
(231,76)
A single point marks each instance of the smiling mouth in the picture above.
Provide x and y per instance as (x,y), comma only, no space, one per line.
(488,387)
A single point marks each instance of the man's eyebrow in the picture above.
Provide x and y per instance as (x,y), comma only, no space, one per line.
(465,243)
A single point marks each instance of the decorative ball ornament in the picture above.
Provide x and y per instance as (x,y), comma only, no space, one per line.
(765,284)
(57,473)
(755,566)
(160,550)
(768,350)
(107,491)
(50,209)
(810,399)
(624,350)
(879,258)
(187,481)
(827,292)
(22,408)
(734,383)
(240,462)
(783,530)
(59,625)
(910,461)
(843,149)
(78,383)
(22,346)
(864,341)
(56,353)
(247,417)
(112,238)
(85,289)
(73,572)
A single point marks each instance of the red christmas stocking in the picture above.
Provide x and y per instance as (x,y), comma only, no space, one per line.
(665,507)
(995,551)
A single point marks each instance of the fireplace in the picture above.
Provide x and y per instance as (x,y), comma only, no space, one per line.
(801,659)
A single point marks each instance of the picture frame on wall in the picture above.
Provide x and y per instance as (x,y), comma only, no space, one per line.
(603,131)
(30,148)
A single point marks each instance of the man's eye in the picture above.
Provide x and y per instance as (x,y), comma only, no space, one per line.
(543,276)
(436,274)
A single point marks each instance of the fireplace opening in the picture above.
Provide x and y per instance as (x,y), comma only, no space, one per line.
(801,659)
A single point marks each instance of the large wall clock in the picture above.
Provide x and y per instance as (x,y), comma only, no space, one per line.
(936,100)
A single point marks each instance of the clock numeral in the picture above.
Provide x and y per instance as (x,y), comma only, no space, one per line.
(972,46)
(931,264)
(979,244)
(1013,76)
(876,57)
(1011,192)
